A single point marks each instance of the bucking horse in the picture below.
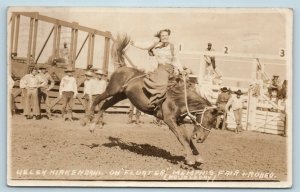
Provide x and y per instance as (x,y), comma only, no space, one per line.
(181,100)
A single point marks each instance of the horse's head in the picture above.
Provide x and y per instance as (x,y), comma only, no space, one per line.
(205,122)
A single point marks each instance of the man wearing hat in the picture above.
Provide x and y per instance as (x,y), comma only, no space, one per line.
(236,102)
(87,90)
(221,102)
(68,91)
(31,82)
(274,87)
(210,59)
(43,91)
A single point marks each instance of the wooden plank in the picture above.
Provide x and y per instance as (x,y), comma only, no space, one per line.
(263,122)
(54,50)
(271,131)
(64,23)
(269,118)
(106,55)
(270,113)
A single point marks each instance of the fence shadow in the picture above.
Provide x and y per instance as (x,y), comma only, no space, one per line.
(144,149)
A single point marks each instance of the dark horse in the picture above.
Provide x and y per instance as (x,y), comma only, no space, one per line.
(128,83)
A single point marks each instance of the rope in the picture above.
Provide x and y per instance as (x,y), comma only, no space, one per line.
(125,85)
(193,118)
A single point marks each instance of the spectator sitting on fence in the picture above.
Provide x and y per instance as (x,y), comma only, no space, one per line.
(68,91)
(43,91)
(31,82)
(64,53)
(236,102)
(274,88)
(221,102)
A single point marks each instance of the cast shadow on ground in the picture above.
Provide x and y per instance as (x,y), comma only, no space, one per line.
(144,149)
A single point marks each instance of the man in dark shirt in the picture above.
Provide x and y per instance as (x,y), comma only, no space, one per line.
(221,102)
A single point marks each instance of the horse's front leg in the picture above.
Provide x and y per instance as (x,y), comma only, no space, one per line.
(189,158)
(91,110)
(98,119)
(188,138)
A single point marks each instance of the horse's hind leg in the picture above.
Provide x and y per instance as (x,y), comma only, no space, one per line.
(107,104)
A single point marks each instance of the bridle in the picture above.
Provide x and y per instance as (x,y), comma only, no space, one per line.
(192,116)
(190,113)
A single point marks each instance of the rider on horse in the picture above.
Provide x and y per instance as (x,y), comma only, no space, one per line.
(157,82)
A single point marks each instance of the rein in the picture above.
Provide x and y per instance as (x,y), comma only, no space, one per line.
(190,113)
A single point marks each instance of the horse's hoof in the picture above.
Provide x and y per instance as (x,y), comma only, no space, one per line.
(199,159)
(92,127)
(190,161)
(83,123)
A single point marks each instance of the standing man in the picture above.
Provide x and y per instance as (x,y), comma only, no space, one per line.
(43,91)
(68,91)
(31,82)
(236,102)
(87,90)
(221,102)
(274,88)
(98,87)
(210,60)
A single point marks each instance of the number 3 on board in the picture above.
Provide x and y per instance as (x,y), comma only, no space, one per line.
(282,53)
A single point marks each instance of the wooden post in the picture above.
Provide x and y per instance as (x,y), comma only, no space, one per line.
(33,51)
(71,49)
(54,51)
(252,101)
(92,50)
(73,53)
(12,33)
(16,39)
(106,55)
(89,49)
(30,41)
(58,40)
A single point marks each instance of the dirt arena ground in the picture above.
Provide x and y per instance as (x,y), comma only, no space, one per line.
(55,149)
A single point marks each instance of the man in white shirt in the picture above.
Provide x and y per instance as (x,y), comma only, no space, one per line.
(31,82)
(43,91)
(87,90)
(68,91)
(96,86)
(236,102)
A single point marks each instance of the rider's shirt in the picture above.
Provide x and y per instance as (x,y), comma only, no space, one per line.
(165,55)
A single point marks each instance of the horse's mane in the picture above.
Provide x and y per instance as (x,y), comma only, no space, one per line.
(117,51)
(195,101)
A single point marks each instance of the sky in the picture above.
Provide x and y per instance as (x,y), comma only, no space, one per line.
(243,31)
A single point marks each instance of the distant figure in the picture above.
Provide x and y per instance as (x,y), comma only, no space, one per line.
(43,91)
(64,53)
(209,59)
(133,110)
(236,103)
(68,91)
(274,88)
(221,102)
(11,84)
(31,82)
(211,71)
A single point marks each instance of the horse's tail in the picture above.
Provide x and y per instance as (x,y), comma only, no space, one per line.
(118,49)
